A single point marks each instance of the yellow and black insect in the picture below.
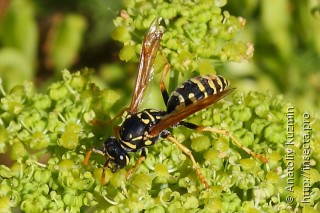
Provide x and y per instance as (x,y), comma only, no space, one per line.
(141,129)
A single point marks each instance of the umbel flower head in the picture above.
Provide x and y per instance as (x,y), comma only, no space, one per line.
(46,135)
(58,126)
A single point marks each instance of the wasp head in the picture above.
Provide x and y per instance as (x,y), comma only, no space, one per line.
(116,156)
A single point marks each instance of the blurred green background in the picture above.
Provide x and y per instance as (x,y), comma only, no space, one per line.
(40,38)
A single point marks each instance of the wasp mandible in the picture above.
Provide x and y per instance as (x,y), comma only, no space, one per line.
(141,129)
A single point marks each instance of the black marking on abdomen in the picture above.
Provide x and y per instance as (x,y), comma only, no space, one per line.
(195,89)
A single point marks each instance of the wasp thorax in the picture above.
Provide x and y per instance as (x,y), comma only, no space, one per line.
(133,131)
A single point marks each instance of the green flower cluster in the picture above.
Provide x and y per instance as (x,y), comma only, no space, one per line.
(46,135)
(197,33)
(43,135)
(58,126)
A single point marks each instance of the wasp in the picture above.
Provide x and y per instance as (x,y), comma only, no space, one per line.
(141,129)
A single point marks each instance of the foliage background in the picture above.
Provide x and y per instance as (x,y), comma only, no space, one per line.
(40,38)
(46,36)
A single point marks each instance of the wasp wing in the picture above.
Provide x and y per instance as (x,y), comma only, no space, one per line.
(178,115)
(148,54)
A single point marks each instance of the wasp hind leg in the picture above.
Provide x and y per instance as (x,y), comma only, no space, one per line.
(164,91)
(227,133)
(189,153)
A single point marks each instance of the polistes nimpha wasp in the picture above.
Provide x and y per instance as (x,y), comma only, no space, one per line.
(141,129)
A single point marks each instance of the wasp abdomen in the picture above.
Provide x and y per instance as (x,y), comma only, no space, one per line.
(194,90)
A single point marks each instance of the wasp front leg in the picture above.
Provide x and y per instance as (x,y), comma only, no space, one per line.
(87,158)
(140,160)
(88,155)
(227,133)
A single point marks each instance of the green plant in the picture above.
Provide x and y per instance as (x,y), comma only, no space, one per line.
(58,123)
(47,134)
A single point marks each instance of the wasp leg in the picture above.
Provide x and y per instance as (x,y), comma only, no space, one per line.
(119,114)
(87,158)
(103,175)
(224,132)
(89,152)
(142,158)
(189,153)
(116,131)
(108,122)
(165,94)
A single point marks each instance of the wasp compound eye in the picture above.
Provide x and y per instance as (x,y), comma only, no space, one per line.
(123,160)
